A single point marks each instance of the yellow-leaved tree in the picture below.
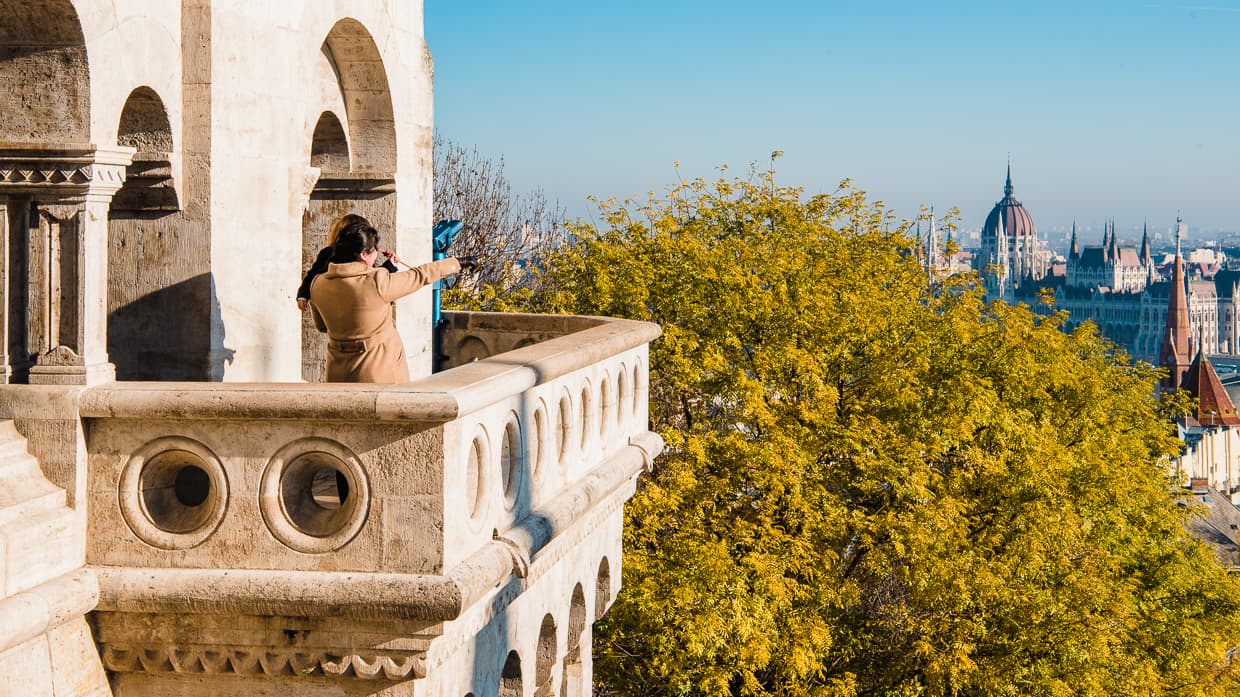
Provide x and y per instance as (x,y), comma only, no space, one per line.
(878,485)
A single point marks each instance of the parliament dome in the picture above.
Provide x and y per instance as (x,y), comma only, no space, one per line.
(1016,220)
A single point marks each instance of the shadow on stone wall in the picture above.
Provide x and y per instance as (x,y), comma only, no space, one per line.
(167,334)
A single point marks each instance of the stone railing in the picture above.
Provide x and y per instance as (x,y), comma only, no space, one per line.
(359,503)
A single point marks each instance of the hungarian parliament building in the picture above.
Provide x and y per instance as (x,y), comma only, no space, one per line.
(1123,290)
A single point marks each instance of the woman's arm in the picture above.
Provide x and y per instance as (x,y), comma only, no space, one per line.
(318,267)
(402,283)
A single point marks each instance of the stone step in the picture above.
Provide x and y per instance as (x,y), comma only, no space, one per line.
(32,507)
(24,492)
(21,477)
(9,448)
(11,441)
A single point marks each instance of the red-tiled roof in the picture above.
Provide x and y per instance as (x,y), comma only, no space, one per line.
(1214,407)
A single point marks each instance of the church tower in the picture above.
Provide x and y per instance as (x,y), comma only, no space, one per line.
(1176,353)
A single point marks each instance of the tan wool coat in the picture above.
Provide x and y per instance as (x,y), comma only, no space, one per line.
(353,304)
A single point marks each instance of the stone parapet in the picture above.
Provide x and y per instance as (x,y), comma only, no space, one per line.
(338,532)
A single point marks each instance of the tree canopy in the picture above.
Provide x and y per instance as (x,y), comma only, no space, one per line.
(875,484)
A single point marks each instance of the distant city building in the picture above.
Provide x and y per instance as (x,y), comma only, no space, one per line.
(1117,287)
(1011,258)
(1123,269)
(941,258)
(1210,461)
(1121,290)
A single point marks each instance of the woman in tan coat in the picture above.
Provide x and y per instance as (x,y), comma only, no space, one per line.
(352,302)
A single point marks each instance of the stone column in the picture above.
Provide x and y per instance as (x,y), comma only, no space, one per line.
(6,364)
(68,327)
(65,259)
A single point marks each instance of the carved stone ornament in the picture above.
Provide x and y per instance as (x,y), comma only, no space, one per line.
(260,661)
(61,355)
(60,171)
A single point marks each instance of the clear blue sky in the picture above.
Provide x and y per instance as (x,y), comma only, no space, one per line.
(1110,109)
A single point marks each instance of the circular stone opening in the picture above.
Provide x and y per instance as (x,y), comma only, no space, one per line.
(622,394)
(637,387)
(566,427)
(585,416)
(509,461)
(538,443)
(314,493)
(473,475)
(175,489)
(604,407)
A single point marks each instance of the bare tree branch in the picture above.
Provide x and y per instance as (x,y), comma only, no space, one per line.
(509,234)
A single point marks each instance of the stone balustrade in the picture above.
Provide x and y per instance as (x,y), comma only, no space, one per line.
(396,508)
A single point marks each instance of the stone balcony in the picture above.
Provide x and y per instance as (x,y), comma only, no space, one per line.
(245,533)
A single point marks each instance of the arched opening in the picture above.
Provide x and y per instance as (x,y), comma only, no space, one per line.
(329,152)
(576,617)
(144,123)
(510,676)
(363,81)
(329,149)
(544,660)
(353,145)
(43,67)
(160,296)
(602,590)
(575,683)
(149,190)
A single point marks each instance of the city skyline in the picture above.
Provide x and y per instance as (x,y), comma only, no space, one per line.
(1108,110)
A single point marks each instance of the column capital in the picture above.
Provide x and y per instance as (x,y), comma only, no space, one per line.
(63,172)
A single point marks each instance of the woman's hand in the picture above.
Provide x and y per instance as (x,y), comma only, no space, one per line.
(302,304)
(392,256)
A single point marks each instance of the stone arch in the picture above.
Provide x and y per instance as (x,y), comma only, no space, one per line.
(354,148)
(144,123)
(351,50)
(149,187)
(510,676)
(44,69)
(329,147)
(157,307)
(576,617)
(544,659)
(602,590)
(574,674)
(470,349)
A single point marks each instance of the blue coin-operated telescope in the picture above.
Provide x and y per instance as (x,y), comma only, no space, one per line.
(441,238)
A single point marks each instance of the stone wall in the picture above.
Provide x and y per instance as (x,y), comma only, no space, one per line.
(221,101)
(262,137)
